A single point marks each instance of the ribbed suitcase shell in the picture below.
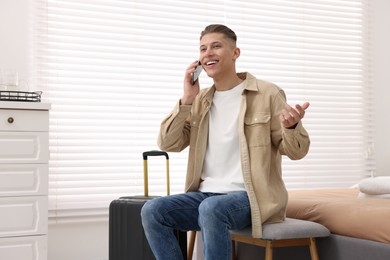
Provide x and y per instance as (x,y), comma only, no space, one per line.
(127,239)
(126,235)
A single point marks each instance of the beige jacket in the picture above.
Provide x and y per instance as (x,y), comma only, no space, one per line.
(262,142)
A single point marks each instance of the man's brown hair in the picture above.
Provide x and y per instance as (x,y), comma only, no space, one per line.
(219,28)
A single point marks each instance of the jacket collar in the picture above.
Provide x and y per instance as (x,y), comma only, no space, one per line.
(251,81)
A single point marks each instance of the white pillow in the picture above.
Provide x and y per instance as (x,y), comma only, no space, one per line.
(375,186)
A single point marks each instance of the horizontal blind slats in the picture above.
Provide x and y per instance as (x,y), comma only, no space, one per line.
(114,69)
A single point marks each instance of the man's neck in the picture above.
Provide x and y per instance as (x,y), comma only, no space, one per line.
(227,82)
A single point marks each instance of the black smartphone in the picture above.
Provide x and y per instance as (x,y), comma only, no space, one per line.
(196,73)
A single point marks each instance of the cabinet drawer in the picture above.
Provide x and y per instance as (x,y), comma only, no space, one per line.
(23,248)
(24,147)
(23,179)
(24,120)
(21,216)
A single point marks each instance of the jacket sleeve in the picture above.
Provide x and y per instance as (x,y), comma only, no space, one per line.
(294,143)
(175,130)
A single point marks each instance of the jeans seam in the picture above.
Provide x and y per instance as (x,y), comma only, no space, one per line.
(163,220)
(230,210)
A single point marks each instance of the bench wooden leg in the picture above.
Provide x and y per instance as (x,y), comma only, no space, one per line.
(233,250)
(313,249)
(268,250)
(191,244)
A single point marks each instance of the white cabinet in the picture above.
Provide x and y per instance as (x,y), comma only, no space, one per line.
(24,156)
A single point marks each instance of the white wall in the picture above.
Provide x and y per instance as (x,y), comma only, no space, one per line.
(15,37)
(89,241)
(78,241)
(381,83)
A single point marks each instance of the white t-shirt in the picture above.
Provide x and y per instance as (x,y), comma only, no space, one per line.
(222,171)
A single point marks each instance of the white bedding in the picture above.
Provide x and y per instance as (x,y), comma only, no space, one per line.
(375,186)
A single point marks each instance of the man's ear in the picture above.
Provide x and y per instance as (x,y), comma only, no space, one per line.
(236,54)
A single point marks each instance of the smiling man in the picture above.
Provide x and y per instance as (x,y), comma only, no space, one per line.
(237,130)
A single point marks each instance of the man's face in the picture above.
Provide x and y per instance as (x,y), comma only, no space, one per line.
(218,55)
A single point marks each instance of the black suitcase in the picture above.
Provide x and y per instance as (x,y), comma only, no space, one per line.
(127,240)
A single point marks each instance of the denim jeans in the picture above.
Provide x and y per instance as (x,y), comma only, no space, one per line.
(214,214)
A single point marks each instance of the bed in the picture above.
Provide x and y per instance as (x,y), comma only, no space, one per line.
(343,212)
(360,225)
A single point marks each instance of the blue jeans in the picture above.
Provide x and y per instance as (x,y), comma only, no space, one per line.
(214,214)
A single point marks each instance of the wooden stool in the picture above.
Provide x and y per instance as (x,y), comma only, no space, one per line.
(289,233)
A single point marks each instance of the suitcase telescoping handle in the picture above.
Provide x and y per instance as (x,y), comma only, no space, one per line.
(146,178)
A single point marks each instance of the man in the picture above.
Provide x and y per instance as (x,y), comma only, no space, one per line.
(236,131)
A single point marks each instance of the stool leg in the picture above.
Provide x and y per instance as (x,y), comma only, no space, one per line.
(268,250)
(313,249)
(191,244)
(233,250)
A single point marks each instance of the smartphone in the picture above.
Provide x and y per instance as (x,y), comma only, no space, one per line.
(196,73)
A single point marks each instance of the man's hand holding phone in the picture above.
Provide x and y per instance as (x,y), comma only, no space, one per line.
(191,83)
(196,73)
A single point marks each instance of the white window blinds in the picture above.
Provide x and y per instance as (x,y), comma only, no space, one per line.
(113,69)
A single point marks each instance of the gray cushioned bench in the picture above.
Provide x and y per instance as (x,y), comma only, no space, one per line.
(291,232)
